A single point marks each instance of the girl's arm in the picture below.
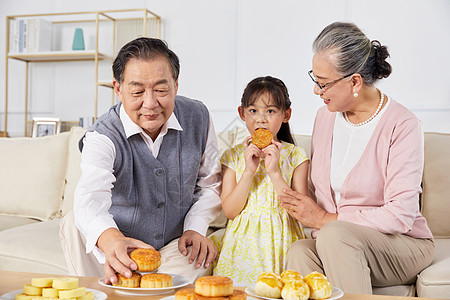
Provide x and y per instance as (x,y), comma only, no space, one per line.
(299,180)
(272,157)
(235,195)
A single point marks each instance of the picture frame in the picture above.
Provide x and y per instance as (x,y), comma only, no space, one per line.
(43,126)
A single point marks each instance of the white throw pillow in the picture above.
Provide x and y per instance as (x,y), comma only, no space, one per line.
(32,174)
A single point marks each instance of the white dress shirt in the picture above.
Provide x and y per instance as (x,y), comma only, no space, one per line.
(93,193)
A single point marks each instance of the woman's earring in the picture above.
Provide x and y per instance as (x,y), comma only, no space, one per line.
(355,94)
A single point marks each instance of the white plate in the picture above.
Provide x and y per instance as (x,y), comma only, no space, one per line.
(178,281)
(336,293)
(98,295)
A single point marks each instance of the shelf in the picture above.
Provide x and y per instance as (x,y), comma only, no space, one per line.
(56,56)
(107,84)
(116,28)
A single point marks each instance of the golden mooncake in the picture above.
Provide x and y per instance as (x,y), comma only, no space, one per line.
(146,259)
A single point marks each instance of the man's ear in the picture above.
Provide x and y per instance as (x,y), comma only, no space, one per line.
(116,86)
(287,115)
(241,113)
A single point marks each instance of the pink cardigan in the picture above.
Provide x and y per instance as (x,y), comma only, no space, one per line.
(382,190)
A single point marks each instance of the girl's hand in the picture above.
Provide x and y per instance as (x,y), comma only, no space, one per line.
(252,156)
(305,210)
(272,157)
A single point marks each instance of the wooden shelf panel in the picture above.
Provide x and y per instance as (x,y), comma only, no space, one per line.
(107,84)
(56,56)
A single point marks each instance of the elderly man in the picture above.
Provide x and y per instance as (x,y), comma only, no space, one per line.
(150,172)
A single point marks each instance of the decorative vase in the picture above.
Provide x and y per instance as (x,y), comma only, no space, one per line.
(78,40)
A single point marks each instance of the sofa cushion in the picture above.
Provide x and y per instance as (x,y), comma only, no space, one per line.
(73,168)
(33,248)
(435,198)
(230,138)
(7,222)
(32,175)
(395,290)
(434,281)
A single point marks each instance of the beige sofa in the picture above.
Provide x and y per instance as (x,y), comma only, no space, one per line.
(38,177)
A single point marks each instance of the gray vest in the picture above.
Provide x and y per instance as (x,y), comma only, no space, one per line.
(151,196)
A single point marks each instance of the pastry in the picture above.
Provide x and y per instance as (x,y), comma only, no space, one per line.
(132,282)
(32,290)
(70,294)
(49,293)
(268,285)
(319,285)
(200,297)
(214,286)
(146,259)
(289,275)
(295,290)
(262,138)
(185,294)
(156,280)
(23,296)
(42,282)
(89,296)
(238,295)
(65,283)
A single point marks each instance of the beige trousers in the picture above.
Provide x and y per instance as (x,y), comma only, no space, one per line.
(354,258)
(80,263)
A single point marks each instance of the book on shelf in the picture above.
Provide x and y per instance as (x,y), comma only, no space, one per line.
(30,35)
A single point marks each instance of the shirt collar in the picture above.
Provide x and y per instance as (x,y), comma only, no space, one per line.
(132,128)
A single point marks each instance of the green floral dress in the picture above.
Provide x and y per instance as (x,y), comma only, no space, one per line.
(258,239)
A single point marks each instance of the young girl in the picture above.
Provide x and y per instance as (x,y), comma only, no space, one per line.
(259,231)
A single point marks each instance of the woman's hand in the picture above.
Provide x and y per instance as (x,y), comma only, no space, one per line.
(305,210)
(252,156)
(272,157)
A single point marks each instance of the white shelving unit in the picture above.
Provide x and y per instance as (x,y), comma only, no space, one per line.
(111,27)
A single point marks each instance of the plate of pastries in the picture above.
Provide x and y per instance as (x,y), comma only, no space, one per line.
(210,288)
(146,280)
(54,288)
(290,285)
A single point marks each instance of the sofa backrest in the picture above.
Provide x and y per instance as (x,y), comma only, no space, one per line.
(38,176)
(73,168)
(232,138)
(435,198)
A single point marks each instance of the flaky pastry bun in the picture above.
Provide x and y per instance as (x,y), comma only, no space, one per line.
(289,275)
(295,290)
(268,285)
(320,287)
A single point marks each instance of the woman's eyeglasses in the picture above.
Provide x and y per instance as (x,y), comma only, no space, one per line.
(327,85)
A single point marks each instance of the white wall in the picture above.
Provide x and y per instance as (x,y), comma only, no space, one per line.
(223,44)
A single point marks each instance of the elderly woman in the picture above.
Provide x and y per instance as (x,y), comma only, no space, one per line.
(366,171)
